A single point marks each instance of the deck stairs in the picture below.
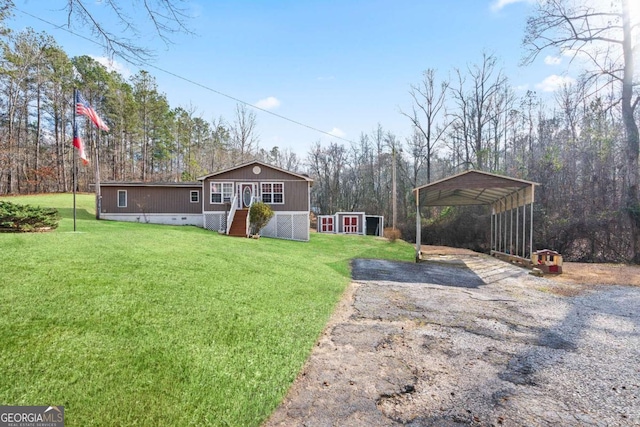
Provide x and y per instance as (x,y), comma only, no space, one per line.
(239,224)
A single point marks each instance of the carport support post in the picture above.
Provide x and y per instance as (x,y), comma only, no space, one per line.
(497,229)
(517,222)
(491,232)
(500,216)
(506,250)
(524,225)
(418,230)
(531,224)
(493,223)
(511,227)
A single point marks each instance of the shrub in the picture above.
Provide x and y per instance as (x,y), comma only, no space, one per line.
(14,217)
(392,234)
(259,216)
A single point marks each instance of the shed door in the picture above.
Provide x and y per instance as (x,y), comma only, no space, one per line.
(327,225)
(350,224)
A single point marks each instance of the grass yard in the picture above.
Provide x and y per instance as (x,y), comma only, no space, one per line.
(147,325)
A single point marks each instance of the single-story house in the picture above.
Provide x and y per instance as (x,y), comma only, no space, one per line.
(219,201)
(351,223)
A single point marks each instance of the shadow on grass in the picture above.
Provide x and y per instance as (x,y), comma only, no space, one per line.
(67,213)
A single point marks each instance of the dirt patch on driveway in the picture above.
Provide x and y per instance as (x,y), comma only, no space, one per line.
(579,273)
(470,340)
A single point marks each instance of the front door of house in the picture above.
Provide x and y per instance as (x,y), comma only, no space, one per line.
(350,224)
(247,191)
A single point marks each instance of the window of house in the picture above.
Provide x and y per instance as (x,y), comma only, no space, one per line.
(273,193)
(122,198)
(195,196)
(221,192)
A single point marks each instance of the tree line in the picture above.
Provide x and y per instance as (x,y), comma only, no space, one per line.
(149,140)
(581,145)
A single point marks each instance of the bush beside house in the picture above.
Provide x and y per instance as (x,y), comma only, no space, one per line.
(259,216)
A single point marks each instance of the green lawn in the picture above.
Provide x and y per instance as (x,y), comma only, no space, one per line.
(140,324)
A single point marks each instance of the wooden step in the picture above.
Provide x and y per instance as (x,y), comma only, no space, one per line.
(238,227)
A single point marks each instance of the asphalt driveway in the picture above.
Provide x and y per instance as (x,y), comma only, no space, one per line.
(471,341)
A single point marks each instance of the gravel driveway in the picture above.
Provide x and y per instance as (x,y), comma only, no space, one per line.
(471,341)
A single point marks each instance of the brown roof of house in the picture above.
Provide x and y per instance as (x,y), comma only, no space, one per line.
(256,162)
(149,184)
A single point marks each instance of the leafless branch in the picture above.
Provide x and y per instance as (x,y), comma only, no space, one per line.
(166,16)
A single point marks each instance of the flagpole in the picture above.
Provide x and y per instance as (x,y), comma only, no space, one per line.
(97,175)
(83,107)
(74,161)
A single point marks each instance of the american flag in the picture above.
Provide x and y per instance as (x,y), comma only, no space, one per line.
(77,142)
(83,108)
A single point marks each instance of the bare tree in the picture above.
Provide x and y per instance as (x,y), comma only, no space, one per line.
(327,166)
(244,136)
(460,135)
(487,85)
(478,97)
(283,158)
(166,17)
(428,104)
(601,32)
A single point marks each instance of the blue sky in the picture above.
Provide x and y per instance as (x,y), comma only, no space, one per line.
(341,66)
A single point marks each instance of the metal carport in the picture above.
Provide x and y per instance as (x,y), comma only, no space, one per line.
(505,195)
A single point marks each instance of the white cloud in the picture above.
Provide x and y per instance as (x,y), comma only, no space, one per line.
(112,65)
(554,82)
(268,103)
(552,60)
(337,132)
(498,5)
(522,88)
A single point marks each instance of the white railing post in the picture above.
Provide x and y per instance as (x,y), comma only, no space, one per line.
(232,213)
(246,226)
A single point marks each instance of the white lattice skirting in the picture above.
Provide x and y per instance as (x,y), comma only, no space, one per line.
(215,221)
(283,225)
(288,225)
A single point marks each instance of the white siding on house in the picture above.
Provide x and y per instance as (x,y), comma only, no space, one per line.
(156,218)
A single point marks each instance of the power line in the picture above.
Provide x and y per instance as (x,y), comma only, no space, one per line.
(171,73)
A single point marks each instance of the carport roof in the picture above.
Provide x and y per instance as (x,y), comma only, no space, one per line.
(472,188)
